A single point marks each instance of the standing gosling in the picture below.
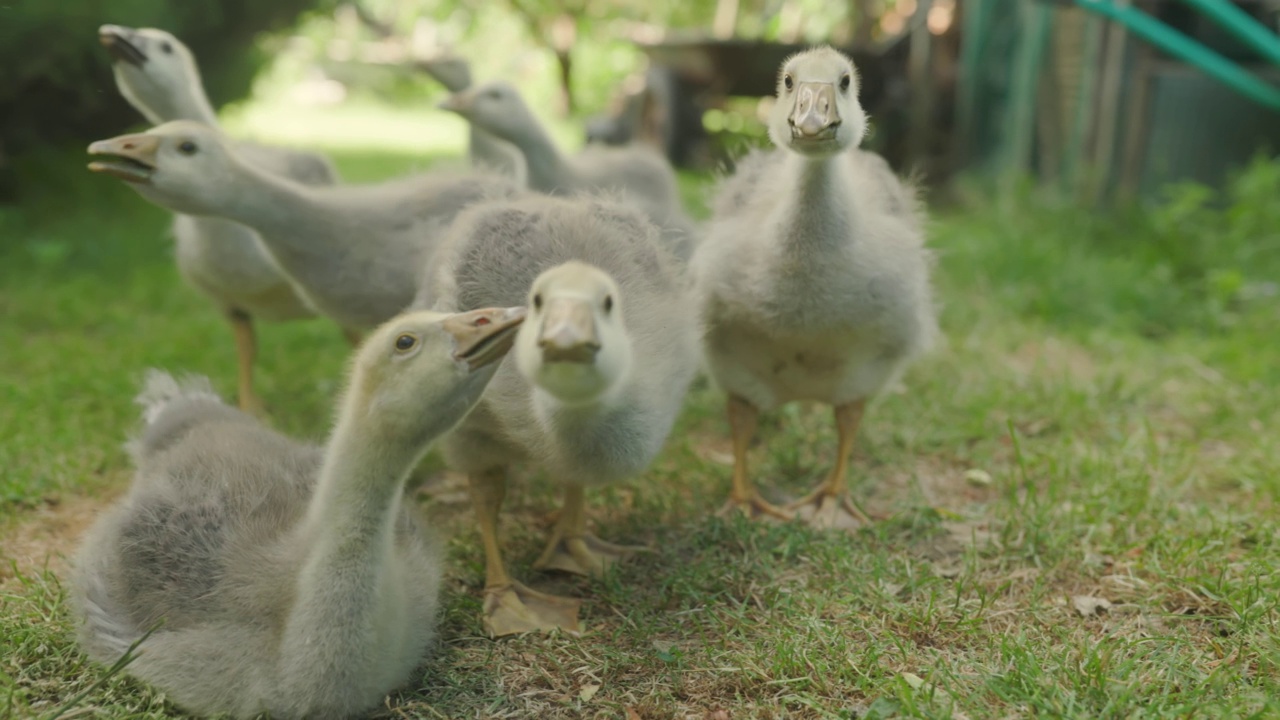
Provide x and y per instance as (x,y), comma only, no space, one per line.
(813,282)
(285,578)
(224,260)
(484,150)
(601,368)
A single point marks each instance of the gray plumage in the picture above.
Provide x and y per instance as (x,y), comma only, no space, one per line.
(279,576)
(221,259)
(207,546)
(485,150)
(813,280)
(356,252)
(637,174)
(493,255)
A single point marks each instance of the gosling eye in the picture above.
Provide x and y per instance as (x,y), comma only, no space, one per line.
(845,82)
(537,301)
(166,47)
(787,82)
(608,303)
(493,94)
(188,148)
(405,342)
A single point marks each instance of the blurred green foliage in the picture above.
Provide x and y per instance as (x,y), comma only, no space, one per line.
(55,79)
(1195,260)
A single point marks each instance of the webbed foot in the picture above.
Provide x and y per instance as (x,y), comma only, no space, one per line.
(826,510)
(514,608)
(583,555)
(755,508)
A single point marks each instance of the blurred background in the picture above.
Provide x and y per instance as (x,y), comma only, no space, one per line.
(1099,98)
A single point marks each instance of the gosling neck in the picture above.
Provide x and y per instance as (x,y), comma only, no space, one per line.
(284,210)
(819,210)
(194,105)
(358,493)
(188,103)
(546,169)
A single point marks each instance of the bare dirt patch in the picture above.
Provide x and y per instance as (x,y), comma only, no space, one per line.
(47,537)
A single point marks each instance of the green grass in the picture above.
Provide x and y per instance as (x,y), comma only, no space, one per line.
(1112,377)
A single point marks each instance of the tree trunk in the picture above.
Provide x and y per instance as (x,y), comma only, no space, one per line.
(863,22)
(565,61)
(564,34)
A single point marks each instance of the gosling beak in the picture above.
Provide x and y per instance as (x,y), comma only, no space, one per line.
(483,337)
(568,332)
(121,44)
(129,157)
(815,116)
(459,102)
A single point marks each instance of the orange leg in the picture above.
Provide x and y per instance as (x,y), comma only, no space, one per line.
(246,352)
(573,549)
(509,606)
(830,503)
(743,417)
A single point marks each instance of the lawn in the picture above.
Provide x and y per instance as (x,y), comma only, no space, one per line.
(1078,490)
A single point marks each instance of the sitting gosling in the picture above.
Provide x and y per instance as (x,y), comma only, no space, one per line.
(813,282)
(282,577)
(601,368)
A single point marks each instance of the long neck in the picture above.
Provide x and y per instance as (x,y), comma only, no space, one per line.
(548,170)
(490,153)
(344,605)
(187,103)
(194,105)
(358,493)
(323,243)
(275,205)
(818,210)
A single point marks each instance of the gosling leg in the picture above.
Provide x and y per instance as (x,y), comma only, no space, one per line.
(573,549)
(829,506)
(246,352)
(743,417)
(510,607)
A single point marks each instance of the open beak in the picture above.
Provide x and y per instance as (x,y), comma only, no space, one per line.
(815,116)
(459,102)
(483,337)
(121,44)
(128,157)
(568,332)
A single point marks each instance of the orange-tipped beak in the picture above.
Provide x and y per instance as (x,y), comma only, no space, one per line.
(129,157)
(483,337)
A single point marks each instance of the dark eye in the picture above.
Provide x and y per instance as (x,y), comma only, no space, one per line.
(608,303)
(493,94)
(406,342)
(787,82)
(166,47)
(537,301)
(187,148)
(845,81)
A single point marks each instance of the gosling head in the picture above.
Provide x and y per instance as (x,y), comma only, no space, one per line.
(155,72)
(817,113)
(183,165)
(450,71)
(496,107)
(574,344)
(417,375)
